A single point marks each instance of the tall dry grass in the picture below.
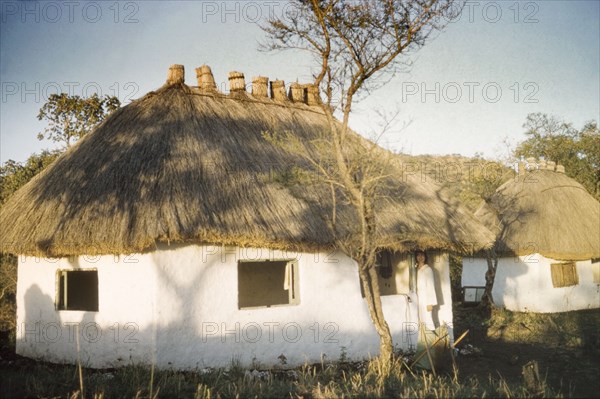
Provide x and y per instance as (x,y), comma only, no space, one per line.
(325,380)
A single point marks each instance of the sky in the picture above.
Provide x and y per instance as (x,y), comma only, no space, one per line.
(468,90)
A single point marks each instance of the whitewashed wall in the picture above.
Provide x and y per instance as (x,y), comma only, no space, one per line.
(177,307)
(524,284)
(120,333)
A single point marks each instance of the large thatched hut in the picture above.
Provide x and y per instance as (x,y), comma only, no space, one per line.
(548,242)
(168,235)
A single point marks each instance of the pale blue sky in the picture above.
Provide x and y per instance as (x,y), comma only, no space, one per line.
(467,90)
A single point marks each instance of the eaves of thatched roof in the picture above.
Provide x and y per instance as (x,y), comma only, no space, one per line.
(190,164)
(546,212)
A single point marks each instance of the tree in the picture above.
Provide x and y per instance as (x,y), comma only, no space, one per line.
(357,47)
(555,140)
(72,117)
(14,175)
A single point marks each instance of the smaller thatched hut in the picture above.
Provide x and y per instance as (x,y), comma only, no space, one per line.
(170,237)
(548,243)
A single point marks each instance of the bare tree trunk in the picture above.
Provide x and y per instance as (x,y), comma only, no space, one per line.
(490,277)
(366,216)
(370,285)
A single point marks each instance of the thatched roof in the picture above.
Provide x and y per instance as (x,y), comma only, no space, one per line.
(546,212)
(190,164)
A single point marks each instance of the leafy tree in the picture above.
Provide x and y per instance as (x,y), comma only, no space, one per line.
(555,140)
(14,175)
(357,47)
(72,117)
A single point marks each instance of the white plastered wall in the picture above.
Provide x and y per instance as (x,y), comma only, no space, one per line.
(177,307)
(524,283)
(120,333)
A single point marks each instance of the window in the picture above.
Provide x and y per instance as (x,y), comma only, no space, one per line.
(384,264)
(473,294)
(393,273)
(77,290)
(564,274)
(267,283)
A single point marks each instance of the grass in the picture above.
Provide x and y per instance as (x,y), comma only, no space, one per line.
(565,345)
(27,378)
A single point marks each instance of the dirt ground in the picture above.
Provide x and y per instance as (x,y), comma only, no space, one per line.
(566,347)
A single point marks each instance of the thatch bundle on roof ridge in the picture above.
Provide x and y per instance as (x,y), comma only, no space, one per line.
(191,164)
(206,80)
(278,90)
(260,86)
(176,74)
(237,82)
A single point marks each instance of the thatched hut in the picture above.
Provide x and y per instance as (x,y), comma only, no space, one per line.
(548,243)
(169,235)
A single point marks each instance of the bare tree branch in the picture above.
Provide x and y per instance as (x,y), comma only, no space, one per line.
(357,46)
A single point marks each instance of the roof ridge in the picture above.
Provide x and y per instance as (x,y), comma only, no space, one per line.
(247,97)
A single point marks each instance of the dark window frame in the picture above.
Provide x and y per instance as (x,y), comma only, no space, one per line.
(245,293)
(383,265)
(77,290)
(479,291)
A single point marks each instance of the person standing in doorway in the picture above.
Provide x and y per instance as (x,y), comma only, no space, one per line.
(426,301)
(426,296)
